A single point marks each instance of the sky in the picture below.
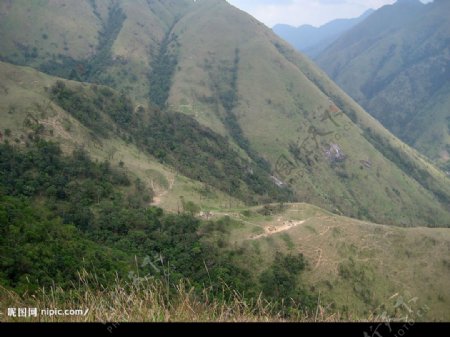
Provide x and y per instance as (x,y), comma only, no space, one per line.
(313,12)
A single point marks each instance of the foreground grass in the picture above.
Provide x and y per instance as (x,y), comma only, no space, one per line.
(149,300)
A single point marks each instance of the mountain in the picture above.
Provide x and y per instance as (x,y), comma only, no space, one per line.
(354,264)
(115,43)
(280,118)
(313,40)
(107,125)
(396,65)
(259,162)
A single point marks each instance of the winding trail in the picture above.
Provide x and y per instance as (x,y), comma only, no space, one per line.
(56,125)
(272,230)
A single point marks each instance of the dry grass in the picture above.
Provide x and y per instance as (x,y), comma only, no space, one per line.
(395,260)
(149,300)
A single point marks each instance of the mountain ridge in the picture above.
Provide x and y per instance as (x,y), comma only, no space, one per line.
(203,150)
(277,110)
(400,58)
(313,40)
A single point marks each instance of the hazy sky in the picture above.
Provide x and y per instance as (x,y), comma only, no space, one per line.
(299,12)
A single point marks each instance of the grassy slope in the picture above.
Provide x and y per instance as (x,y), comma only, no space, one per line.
(280,95)
(356,266)
(67,25)
(277,100)
(327,241)
(379,252)
(64,29)
(395,64)
(138,43)
(430,131)
(26,96)
(357,270)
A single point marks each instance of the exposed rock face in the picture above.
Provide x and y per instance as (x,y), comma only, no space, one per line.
(335,154)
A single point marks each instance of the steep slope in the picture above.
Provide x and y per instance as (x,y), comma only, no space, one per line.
(281,115)
(36,106)
(313,40)
(291,114)
(359,268)
(347,258)
(108,42)
(235,117)
(429,129)
(357,271)
(396,65)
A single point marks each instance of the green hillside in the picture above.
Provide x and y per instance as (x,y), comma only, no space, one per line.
(282,104)
(101,120)
(281,114)
(102,41)
(258,161)
(358,267)
(395,64)
(67,213)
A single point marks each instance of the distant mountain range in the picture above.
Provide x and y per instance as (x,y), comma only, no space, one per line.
(313,40)
(396,64)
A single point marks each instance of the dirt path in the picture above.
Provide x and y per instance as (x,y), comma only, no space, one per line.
(327,230)
(272,230)
(57,127)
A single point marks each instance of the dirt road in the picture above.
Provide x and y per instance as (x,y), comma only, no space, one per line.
(271,230)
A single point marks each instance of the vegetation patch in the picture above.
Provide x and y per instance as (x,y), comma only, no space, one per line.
(163,69)
(68,213)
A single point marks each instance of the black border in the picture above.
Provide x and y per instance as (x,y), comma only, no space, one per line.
(229,329)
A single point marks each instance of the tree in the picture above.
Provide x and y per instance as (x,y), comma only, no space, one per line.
(280,282)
